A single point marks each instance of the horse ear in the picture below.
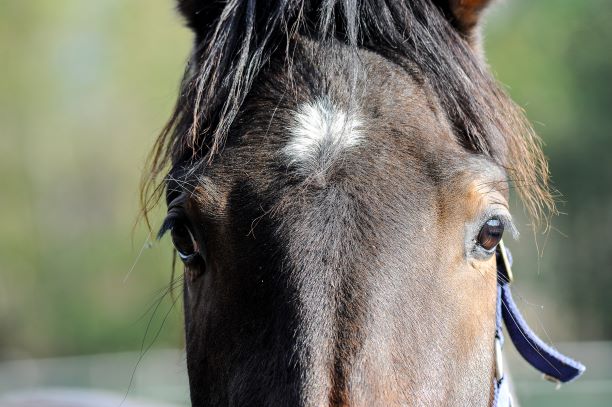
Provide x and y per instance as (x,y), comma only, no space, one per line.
(200,15)
(464,15)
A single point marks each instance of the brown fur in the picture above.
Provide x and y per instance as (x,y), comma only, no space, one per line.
(361,284)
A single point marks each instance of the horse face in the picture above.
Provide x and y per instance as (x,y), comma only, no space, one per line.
(340,249)
(337,190)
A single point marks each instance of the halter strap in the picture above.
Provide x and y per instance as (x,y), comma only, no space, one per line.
(543,357)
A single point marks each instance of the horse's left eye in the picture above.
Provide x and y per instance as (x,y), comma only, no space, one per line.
(184,242)
(490,234)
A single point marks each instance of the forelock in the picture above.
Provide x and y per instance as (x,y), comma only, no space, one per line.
(237,42)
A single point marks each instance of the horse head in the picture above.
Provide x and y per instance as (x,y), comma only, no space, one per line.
(337,178)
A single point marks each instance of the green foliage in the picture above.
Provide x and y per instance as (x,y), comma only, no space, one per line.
(555,57)
(85,88)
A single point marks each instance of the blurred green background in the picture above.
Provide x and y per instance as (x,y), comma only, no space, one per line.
(85,86)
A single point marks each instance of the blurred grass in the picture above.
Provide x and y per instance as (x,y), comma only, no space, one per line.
(86,86)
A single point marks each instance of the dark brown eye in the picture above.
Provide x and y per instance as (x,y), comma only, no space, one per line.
(184,242)
(490,234)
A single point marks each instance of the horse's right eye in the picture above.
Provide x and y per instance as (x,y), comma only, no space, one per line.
(185,244)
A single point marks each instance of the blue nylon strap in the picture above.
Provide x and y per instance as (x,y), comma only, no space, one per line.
(541,356)
(538,354)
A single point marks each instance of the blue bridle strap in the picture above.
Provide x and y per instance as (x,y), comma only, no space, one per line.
(543,357)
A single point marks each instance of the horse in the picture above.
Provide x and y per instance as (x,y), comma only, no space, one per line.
(337,178)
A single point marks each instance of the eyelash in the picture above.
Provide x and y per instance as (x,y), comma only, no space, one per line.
(166,226)
(174,216)
(503,216)
(174,219)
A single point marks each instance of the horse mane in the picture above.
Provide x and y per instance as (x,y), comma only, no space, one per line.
(235,39)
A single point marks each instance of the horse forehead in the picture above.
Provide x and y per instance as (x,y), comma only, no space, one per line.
(320,131)
(326,128)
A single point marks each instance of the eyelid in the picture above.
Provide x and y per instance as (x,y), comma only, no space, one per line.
(506,220)
(187,259)
(501,213)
